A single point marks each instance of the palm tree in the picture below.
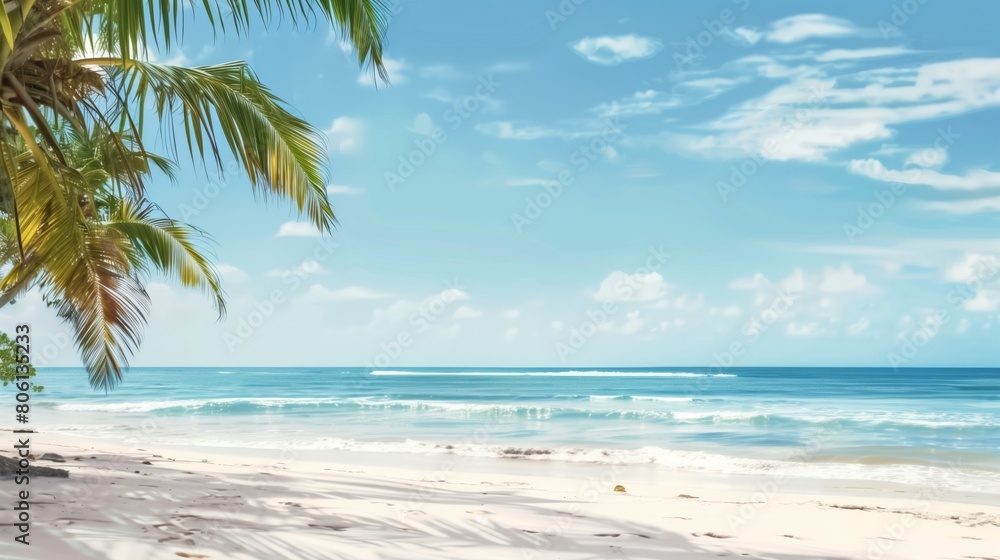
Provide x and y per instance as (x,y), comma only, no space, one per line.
(77,220)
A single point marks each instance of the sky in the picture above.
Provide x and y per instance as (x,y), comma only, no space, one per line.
(581,183)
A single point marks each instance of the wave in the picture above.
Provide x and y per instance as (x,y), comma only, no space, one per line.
(543,373)
(901,471)
(660,409)
(640,398)
(193,404)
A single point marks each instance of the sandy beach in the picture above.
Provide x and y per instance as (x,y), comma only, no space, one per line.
(127,503)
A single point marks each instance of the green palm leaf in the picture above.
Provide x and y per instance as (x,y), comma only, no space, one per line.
(281,153)
(168,245)
(129,26)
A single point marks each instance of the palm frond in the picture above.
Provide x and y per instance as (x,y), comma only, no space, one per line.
(106,305)
(281,153)
(169,246)
(83,266)
(128,27)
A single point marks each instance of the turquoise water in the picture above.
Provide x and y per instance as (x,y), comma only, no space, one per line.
(928,426)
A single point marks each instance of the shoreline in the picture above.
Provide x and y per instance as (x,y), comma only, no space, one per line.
(190,502)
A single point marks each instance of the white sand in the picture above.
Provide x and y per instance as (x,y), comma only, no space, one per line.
(187,504)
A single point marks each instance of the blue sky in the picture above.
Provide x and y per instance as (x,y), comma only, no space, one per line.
(599,184)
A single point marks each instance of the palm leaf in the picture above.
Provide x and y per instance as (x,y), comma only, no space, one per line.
(129,26)
(281,153)
(168,245)
(105,303)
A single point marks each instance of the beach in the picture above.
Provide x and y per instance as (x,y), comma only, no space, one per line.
(121,502)
(508,463)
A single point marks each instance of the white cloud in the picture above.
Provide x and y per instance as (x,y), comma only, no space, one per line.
(344,134)
(972,180)
(232,274)
(802,329)
(440,72)
(795,283)
(511,314)
(557,325)
(177,58)
(466,312)
(970,206)
(320,294)
(615,50)
(709,87)
(648,102)
(507,130)
(632,323)
(393,66)
(840,280)
(754,283)
(305,268)
(422,124)
(620,286)
(807,26)
(813,115)
(511,333)
(730,311)
(343,189)
(972,267)
(858,327)
(440,94)
(748,35)
(930,157)
(985,301)
(298,229)
(406,309)
(836,55)
(688,302)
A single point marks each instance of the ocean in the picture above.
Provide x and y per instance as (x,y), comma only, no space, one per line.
(931,427)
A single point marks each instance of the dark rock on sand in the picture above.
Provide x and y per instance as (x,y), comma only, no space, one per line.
(8,467)
(54,457)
